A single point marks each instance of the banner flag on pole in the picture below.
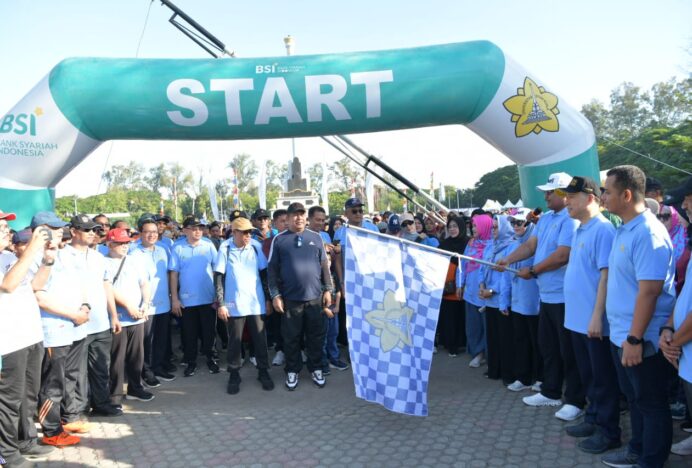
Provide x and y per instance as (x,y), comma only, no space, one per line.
(262,186)
(211,189)
(370,192)
(393,296)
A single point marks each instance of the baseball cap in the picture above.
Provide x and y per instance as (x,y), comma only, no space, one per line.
(164,218)
(676,195)
(241,224)
(8,216)
(22,237)
(193,221)
(145,218)
(82,221)
(260,213)
(406,217)
(653,184)
(295,207)
(238,214)
(556,181)
(582,184)
(394,224)
(118,235)
(47,218)
(353,203)
(521,214)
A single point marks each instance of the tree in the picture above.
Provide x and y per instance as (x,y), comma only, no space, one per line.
(629,111)
(245,170)
(670,102)
(275,175)
(125,177)
(599,117)
(345,173)
(176,180)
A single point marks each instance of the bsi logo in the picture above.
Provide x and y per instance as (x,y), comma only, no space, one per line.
(259,69)
(20,124)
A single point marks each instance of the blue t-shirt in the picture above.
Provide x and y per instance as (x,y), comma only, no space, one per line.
(471,281)
(340,234)
(242,294)
(552,231)
(588,256)
(102,249)
(156,261)
(194,265)
(642,250)
(518,294)
(325,237)
(133,274)
(683,308)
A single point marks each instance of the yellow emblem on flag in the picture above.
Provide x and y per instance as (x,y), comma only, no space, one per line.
(392,323)
(533,109)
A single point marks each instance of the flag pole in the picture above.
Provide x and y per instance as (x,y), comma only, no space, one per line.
(433,249)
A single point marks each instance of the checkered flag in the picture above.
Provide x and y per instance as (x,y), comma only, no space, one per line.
(393,295)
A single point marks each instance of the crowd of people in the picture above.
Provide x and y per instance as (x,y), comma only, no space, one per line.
(584,305)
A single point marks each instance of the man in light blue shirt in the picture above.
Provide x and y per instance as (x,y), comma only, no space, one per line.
(241,282)
(585,294)
(639,301)
(192,293)
(550,245)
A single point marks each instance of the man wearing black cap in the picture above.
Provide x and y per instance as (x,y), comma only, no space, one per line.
(300,285)
(586,280)
(654,189)
(192,293)
(260,220)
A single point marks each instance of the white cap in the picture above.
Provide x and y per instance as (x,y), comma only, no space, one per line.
(556,181)
(406,217)
(521,214)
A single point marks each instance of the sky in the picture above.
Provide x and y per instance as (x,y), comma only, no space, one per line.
(581,49)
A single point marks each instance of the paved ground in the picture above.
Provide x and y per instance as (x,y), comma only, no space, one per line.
(192,422)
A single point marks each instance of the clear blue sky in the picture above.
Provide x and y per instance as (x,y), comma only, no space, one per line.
(582,49)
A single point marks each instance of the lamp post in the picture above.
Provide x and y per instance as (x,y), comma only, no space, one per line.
(289,43)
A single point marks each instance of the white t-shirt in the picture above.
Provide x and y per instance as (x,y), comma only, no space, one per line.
(133,274)
(20,318)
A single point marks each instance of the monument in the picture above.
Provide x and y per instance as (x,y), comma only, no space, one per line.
(296,188)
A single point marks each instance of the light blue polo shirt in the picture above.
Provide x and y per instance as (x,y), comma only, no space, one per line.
(156,260)
(471,281)
(340,234)
(61,285)
(325,237)
(642,250)
(133,275)
(166,243)
(243,294)
(552,231)
(194,265)
(518,294)
(683,308)
(99,318)
(588,256)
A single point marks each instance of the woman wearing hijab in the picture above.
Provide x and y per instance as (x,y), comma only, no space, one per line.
(519,297)
(422,236)
(468,287)
(498,324)
(676,229)
(451,323)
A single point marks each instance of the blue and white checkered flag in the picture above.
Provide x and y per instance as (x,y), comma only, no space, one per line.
(393,295)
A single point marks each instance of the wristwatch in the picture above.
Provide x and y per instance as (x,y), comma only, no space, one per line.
(533,272)
(634,341)
(87,305)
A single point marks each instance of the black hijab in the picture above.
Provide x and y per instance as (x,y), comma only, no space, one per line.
(456,244)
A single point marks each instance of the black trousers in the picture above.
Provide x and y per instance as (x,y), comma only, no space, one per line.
(299,317)
(499,338)
(528,364)
(156,343)
(20,381)
(199,322)
(451,325)
(52,391)
(559,364)
(94,370)
(71,404)
(274,331)
(258,336)
(342,337)
(127,360)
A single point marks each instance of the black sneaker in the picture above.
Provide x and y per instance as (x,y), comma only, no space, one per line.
(318,378)
(583,429)
(170,367)
(686,426)
(233,382)
(291,380)
(265,380)
(213,367)
(151,381)
(139,394)
(165,376)
(36,452)
(108,411)
(620,459)
(598,443)
(190,369)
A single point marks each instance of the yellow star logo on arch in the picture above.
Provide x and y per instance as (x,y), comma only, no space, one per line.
(533,109)
(392,323)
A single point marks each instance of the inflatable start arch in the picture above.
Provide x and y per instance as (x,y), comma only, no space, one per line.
(86,101)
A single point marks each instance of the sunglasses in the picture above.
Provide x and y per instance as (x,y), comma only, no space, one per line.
(245,233)
(299,241)
(406,223)
(357,210)
(663,216)
(517,223)
(89,230)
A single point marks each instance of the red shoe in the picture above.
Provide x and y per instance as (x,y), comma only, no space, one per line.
(61,440)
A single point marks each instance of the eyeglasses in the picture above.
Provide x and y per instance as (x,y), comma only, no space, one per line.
(357,210)
(663,216)
(87,230)
(245,233)
(406,223)
(299,241)
(105,224)
(517,222)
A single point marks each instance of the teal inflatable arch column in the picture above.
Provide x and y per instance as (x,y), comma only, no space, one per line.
(86,101)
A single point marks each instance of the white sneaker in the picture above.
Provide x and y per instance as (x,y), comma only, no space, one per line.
(536,387)
(279,359)
(291,380)
(684,447)
(476,361)
(569,412)
(304,356)
(253,361)
(539,400)
(318,378)
(517,386)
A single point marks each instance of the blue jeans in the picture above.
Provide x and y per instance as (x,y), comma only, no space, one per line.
(600,380)
(645,389)
(330,351)
(475,330)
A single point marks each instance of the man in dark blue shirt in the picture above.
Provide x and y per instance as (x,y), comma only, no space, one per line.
(300,285)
